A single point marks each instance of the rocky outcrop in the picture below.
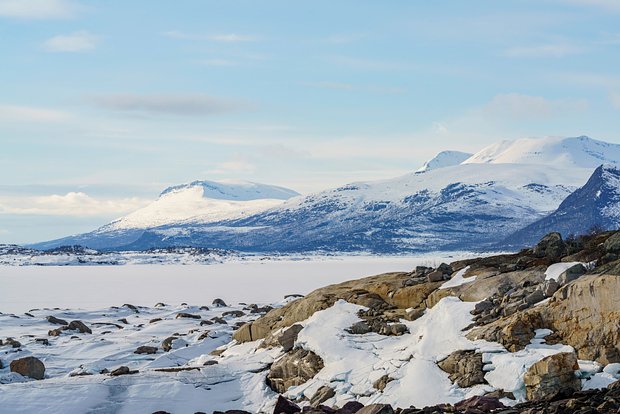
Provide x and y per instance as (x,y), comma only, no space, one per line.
(464,367)
(294,368)
(379,293)
(552,375)
(514,332)
(30,367)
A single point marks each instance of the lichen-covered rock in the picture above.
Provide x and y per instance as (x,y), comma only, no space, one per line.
(551,375)
(294,368)
(30,367)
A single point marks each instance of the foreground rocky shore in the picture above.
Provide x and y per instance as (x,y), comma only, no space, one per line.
(533,332)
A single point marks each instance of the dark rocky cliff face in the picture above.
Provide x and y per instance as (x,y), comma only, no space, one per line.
(596,205)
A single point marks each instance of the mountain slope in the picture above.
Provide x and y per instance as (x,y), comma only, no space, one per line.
(469,206)
(444,159)
(595,205)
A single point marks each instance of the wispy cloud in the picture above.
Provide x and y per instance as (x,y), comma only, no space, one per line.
(544,51)
(38,9)
(15,113)
(170,104)
(81,41)
(221,37)
(519,106)
(76,204)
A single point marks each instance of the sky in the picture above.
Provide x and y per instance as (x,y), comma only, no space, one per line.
(104,103)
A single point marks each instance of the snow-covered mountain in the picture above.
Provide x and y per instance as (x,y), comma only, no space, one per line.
(444,159)
(471,205)
(205,201)
(595,205)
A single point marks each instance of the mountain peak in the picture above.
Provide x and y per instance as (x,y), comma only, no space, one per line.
(444,159)
(234,190)
(579,152)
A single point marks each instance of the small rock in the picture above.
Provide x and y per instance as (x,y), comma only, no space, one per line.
(534,297)
(219,320)
(132,307)
(377,409)
(321,395)
(12,342)
(160,305)
(146,350)
(413,314)
(122,370)
(219,303)
(549,287)
(42,341)
(484,403)
(29,367)
(55,332)
(482,306)
(382,382)
(204,308)
(56,321)
(359,328)
(79,326)
(289,336)
(234,313)
(284,406)
(572,273)
(398,329)
(123,320)
(154,320)
(188,315)
(166,345)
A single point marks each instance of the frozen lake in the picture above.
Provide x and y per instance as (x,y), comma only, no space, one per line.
(93,287)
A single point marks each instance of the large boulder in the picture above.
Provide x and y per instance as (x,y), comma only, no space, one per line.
(284,406)
(294,368)
(552,375)
(551,246)
(30,367)
(464,367)
(572,273)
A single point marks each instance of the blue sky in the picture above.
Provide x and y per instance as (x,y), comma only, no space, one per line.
(105,103)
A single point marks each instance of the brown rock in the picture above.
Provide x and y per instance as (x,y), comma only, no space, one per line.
(552,374)
(79,326)
(377,409)
(146,350)
(29,367)
(382,382)
(321,395)
(464,367)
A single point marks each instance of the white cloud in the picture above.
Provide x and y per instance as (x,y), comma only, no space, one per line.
(543,51)
(222,37)
(38,9)
(81,41)
(519,106)
(75,204)
(170,104)
(14,113)
(614,97)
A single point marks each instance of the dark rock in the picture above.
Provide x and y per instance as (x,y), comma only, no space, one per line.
(321,395)
(464,367)
(56,321)
(55,332)
(154,320)
(359,328)
(132,307)
(549,287)
(219,320)
(166,344)
(42,341)
(534,297)
(188,315)
(123,320)
(551,246)
(435,276)
(29,367)
(377,409)
(12,342)
(350,407)
(219,303)
(146,350)
(294,368)
(79,326)
(160,305)
(122,370)
(284,406)
(289,336)
(485,404)
(234,313)
(482,306)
